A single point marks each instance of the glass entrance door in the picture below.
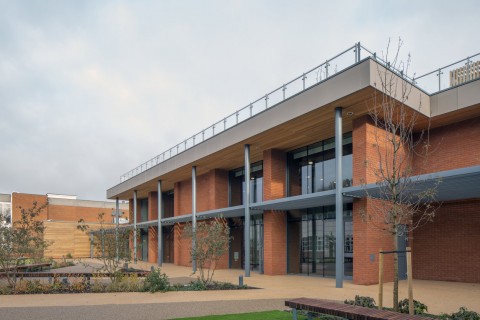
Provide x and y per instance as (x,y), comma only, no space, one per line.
(256,244)
(312,241)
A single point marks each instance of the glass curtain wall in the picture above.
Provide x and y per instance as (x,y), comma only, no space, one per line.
(168,204)
(237,247)
(312,168)
(311,241)
(143,210)
(237,184)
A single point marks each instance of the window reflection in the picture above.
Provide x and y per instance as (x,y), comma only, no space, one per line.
(312,168)
(237,184)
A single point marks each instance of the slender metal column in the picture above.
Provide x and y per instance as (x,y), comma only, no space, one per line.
(91,245)
(194,213)
(247,210)
(159,224)
(339,230)
(135,226)
(117,208)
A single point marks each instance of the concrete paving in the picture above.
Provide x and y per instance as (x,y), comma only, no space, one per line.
(438,296)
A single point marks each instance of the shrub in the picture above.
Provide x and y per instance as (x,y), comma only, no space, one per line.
(418,307)
(197,285)
(156,281)
(126,283)
(30,286)
(462,314)
(362,301)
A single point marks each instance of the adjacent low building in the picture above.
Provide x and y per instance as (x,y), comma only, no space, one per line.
(289,173)
(60,216)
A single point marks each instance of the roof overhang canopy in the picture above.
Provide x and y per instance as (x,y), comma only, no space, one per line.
(457,184)
(311,200)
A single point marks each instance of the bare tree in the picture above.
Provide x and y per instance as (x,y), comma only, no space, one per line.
(401,203)
(22,240)
(112,249)
(211,243)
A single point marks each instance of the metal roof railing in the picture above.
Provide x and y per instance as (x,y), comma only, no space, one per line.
(306,80)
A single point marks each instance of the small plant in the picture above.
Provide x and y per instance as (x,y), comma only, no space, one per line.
(418,307)
(126,283)
(362,301)
(197,285)
(462,314)
(156,281)
(211,243)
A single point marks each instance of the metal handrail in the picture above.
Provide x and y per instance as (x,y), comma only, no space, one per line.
(448,66)
(225,123)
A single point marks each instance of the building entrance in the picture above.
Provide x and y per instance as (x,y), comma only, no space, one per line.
(311,241)
(237,244)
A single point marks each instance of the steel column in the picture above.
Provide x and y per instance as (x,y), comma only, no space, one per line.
(159,224)
(194,213)
(135,226)
(247,210)
(117,214)
(339,230)
(91,245)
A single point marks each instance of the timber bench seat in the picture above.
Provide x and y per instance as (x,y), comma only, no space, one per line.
(32,266)
(347,311)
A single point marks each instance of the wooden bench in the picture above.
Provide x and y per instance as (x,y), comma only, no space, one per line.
(32,266)
(347,311)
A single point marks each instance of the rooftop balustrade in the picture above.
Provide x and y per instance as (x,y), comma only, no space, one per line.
(443,78)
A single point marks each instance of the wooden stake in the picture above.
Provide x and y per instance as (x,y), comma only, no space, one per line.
(380,279)
(410,284)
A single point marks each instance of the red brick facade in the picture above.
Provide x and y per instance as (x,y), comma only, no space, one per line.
(274,223)
(440,249)
(447,248)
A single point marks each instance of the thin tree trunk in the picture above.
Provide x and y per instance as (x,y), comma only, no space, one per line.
(395,272)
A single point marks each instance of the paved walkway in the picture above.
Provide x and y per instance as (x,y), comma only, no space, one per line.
(438,296)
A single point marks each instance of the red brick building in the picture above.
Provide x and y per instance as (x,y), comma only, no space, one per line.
(298,208)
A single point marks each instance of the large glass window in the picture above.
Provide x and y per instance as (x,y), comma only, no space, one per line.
(143,210)
(168,204)
(312,240)
(237,184)
(312,168)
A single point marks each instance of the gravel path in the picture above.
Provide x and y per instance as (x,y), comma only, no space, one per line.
(142,311)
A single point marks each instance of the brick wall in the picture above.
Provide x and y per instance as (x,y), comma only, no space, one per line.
(152,206)
(71,213)
(25,201)
(367,242)
(453,146)
(152,244)
(368,239)
(274,223)
(212,193)
(447,248)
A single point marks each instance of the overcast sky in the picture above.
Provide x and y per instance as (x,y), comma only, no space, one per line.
(91,89)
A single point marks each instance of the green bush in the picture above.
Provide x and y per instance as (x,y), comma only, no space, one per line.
(362,301)
(462,314)
(31,286)
(126,283)
(156,281)
(418,307)
(197,285)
